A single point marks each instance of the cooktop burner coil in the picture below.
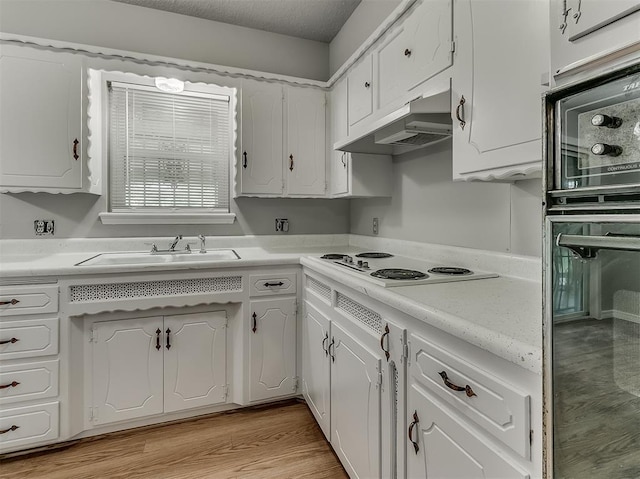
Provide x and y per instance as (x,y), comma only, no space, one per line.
(450,270)
(332,256)
(374,255)
(402,274)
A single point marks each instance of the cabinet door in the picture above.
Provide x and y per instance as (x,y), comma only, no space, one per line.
(340,172)
(498,72)
(305,162)
(339,131)
(590,29)
(127,369)
(261,155)
(360,91)
(416,50)
(355,404)
(41,139)
(195,366)
(442,445)
(273,348)
(316,366)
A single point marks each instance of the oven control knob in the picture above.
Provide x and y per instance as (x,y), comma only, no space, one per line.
(606,120)
(602,149)
(360,263)
(348,259)
(365,264)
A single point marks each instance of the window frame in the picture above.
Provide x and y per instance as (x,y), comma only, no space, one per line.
(99,126)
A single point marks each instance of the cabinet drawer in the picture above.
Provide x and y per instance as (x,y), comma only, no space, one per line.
(26,382)
(495,405)
(23,426)
(264,285)
(28,338)
(28,299)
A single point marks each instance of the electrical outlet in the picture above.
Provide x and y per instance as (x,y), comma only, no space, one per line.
(375,226)
(282,225)
(44,227)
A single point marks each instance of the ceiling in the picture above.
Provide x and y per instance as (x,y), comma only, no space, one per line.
(318,20)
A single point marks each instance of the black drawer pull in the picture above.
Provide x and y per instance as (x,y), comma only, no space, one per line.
(415,422)
(467,389)
(254,328)
(12,302)
(12,340)
(279,283)
(12,384)
(12,428)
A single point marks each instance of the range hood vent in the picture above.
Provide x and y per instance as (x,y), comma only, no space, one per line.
(416,130)
(421,122)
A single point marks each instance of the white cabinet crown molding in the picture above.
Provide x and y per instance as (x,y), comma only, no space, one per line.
(156,60)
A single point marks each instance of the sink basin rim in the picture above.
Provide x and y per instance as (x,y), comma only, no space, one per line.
(145,257)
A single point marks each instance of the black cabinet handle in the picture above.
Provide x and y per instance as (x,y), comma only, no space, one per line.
(324,340)
(244,160)
(12,428)
(12,384)
(367,84)
(467,389)
(290,162)
(168,337)
(415,422)
(7,341)
(255,322)
(385,334)
(12,302)
(158,333)
(407,52)
(75,149)
(279,283)
(460,113)
(332,344)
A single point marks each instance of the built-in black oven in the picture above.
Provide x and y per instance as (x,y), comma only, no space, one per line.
(591,258)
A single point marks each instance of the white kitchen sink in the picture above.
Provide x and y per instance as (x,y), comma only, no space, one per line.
(160,258)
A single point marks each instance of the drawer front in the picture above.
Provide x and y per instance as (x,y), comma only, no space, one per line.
(30,425)
(264,285)
(495,405)
(27,382)
(28,338)
(28,299)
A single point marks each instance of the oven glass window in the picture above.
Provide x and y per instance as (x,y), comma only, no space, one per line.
(596,350)
(599,136)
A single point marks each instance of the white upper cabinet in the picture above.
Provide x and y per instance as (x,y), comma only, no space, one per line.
(583,30)
(339,130)
(414,51)
(360,91)
(261,153)
(306,140)
(41,121)
(497,105)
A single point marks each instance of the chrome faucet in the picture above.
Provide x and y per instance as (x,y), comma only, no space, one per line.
(172,246)
(202,243)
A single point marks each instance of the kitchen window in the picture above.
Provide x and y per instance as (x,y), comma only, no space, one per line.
(169,153)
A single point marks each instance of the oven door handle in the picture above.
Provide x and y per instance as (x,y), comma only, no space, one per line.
(587,247)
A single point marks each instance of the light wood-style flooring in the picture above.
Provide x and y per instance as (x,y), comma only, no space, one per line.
(597,419)
(282,441)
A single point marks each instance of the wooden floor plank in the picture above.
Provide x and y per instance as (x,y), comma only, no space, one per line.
(282,441)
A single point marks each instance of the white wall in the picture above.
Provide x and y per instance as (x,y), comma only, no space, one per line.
(427,206)
(127,27)
(363,21)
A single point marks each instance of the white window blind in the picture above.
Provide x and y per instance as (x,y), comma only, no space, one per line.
(168,152)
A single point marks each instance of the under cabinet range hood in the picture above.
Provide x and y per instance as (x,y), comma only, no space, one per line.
(421,122)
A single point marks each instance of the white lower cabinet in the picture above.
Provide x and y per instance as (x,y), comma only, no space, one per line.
(356,381)
(146,366)
(316,366)
(442,445)
(273,348)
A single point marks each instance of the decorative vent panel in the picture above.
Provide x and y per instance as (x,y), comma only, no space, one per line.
(319,288)
(149,289)
(367,317)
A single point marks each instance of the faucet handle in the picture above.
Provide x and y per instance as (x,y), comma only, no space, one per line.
(154,247)
(203,240)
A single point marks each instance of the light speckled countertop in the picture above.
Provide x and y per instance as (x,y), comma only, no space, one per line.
(501,315)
